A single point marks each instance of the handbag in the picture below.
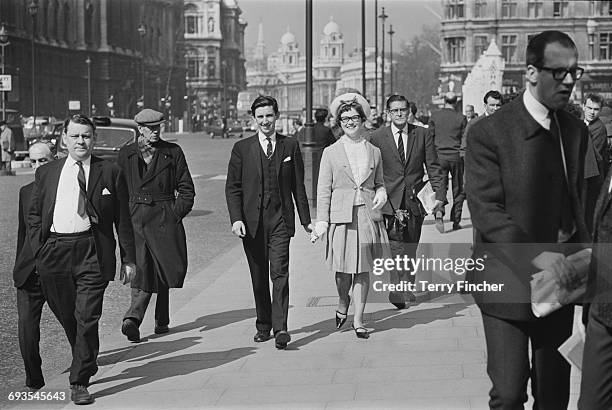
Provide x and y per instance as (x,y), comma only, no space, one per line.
(397,223)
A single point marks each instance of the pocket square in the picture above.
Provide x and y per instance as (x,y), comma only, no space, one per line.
(287,159)
(105,191)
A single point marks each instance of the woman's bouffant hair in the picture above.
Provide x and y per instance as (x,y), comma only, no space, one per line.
(347,106)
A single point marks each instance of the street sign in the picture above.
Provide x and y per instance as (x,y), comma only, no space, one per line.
(74,105)
(5,83)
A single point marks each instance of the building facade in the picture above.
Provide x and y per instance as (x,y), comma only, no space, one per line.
(214,56)
(468,26)
(125,49)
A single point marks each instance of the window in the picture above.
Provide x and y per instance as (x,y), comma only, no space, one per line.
(480,46)
(560,8)
(508,47)
(508,8)
(534,8)
(454,9)
(605,46)
(193,68)
(480,8)
(455,47)
(191,24)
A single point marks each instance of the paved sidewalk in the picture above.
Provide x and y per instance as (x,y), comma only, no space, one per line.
(430,356)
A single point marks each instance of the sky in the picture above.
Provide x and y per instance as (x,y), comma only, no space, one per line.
(406,16)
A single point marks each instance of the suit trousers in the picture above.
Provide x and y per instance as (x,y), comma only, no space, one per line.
(268,257)
(408,246)
(30,301)
(71,280)
(508,364)
(596,382)
(140,301)
(455,168)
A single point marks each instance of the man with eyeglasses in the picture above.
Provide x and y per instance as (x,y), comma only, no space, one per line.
(161,195)
(525,190)
(405,148)
(77,204)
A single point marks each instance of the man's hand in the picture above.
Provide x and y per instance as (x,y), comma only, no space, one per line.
(308,228)
(239,229)
(437,205)
(127,272)
(558,264)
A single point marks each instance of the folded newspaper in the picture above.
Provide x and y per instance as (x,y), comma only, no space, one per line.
(547,293)
(427,196)
(573,348)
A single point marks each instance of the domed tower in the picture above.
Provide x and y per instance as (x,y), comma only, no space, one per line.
(332,43)
(289,53)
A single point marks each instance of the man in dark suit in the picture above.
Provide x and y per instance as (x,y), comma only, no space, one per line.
(155,170)
(76,202)
(322,134)
(524,169)
(405,149)
(263,174)
(448,126)
(30,298)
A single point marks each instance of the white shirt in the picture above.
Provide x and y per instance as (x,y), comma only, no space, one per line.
(264,142)
(394,132)
(536,109)
(65,215)
(357,155)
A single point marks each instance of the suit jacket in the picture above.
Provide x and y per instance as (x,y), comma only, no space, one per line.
(599,136)
(25,263)
(111,211)
(514,180)
(408,177)
(244,185)
(336,186)
(448,127)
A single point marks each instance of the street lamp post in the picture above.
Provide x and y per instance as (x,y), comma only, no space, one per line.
(88,62)
(224,104)
(391,33)
(376,55)
(3,43)
(383,17)
(142,31)
(287,77)
(33,10)
(363,46)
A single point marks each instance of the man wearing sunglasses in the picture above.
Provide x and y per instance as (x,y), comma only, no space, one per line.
(525,191)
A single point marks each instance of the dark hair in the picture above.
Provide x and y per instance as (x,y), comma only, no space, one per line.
(537,45)
(413,107)
(344,107)
(496,95)
(79,119)
(574,109)
(320,115)
(596,98)
(396,97)
(264,101)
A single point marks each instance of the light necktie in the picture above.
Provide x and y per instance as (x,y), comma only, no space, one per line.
(82,190)
(269,148)
(400,147)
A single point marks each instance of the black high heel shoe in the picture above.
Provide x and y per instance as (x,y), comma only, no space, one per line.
(361,332)
(340,319)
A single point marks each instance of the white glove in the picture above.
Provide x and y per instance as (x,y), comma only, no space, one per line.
(127,273)
(239,229)
(319,230)
(379,199)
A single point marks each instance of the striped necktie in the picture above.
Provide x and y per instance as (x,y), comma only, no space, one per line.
(269,151)
(400,147)
(82,190)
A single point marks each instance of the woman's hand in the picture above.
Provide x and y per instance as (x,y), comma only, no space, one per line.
(379,199)
(319,231)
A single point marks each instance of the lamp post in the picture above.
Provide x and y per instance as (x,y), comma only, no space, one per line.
(391,33)
(287,77)
(88,62)
(3,43)
(376,55)
(142,31)
(363,46)
(33,10)
(383,17)
(224,106)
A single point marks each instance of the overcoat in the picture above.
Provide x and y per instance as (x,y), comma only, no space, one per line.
(159,200)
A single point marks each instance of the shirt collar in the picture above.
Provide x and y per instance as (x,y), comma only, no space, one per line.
(536,109)
(262,137)
(394,129)
(71,161)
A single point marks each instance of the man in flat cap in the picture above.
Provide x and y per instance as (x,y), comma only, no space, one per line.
(7,146)
(161,195)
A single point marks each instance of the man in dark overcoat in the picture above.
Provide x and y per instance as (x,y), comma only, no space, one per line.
(161,195)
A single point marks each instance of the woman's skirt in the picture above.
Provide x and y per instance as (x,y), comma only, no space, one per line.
(352,247)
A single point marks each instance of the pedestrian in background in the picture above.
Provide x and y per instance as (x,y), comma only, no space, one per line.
(161,195)
(7,144)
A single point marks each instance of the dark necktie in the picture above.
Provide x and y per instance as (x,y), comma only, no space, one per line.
(82,190)
(400,147)
(269,148)
(567,215)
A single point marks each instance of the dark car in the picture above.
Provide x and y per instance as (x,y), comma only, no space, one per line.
(111,135)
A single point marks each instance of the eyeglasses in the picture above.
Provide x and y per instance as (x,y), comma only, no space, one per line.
(398,111)
(40,160)
(560,73)
(354,118)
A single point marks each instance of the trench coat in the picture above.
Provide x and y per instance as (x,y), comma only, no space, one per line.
(7,143)
(159,200)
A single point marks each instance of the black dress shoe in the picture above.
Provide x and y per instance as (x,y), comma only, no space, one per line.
(130,329)
(261,336)
(79,394)
(161,329)
(397,300)
(456,226)
(439,222)
(282,339)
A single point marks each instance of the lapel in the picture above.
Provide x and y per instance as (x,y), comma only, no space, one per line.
(343,160)
(256,153)
(95,172)
(52,187)
(571,148)
(603,201)
(279,151)
(161,161)
(370,152)
(410,138)
(392,146)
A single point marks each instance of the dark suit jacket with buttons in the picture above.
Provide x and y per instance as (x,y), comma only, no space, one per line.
(25,263)
(243,188)
(514,171)
(409,177)
(111,211)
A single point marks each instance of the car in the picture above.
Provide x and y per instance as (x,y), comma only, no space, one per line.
(112,134)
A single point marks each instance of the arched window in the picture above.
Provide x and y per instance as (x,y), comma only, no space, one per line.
(55,19)
(89,9)
(211,24)
(45,19)
(66,24)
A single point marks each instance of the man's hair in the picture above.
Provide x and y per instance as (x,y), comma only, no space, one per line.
(397,97)
(450,98)
(320,115)
(496,95)
(344,107)
(264,101)
(537,45)
(469,105)
(596,98)
(43,146)
(79,119)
